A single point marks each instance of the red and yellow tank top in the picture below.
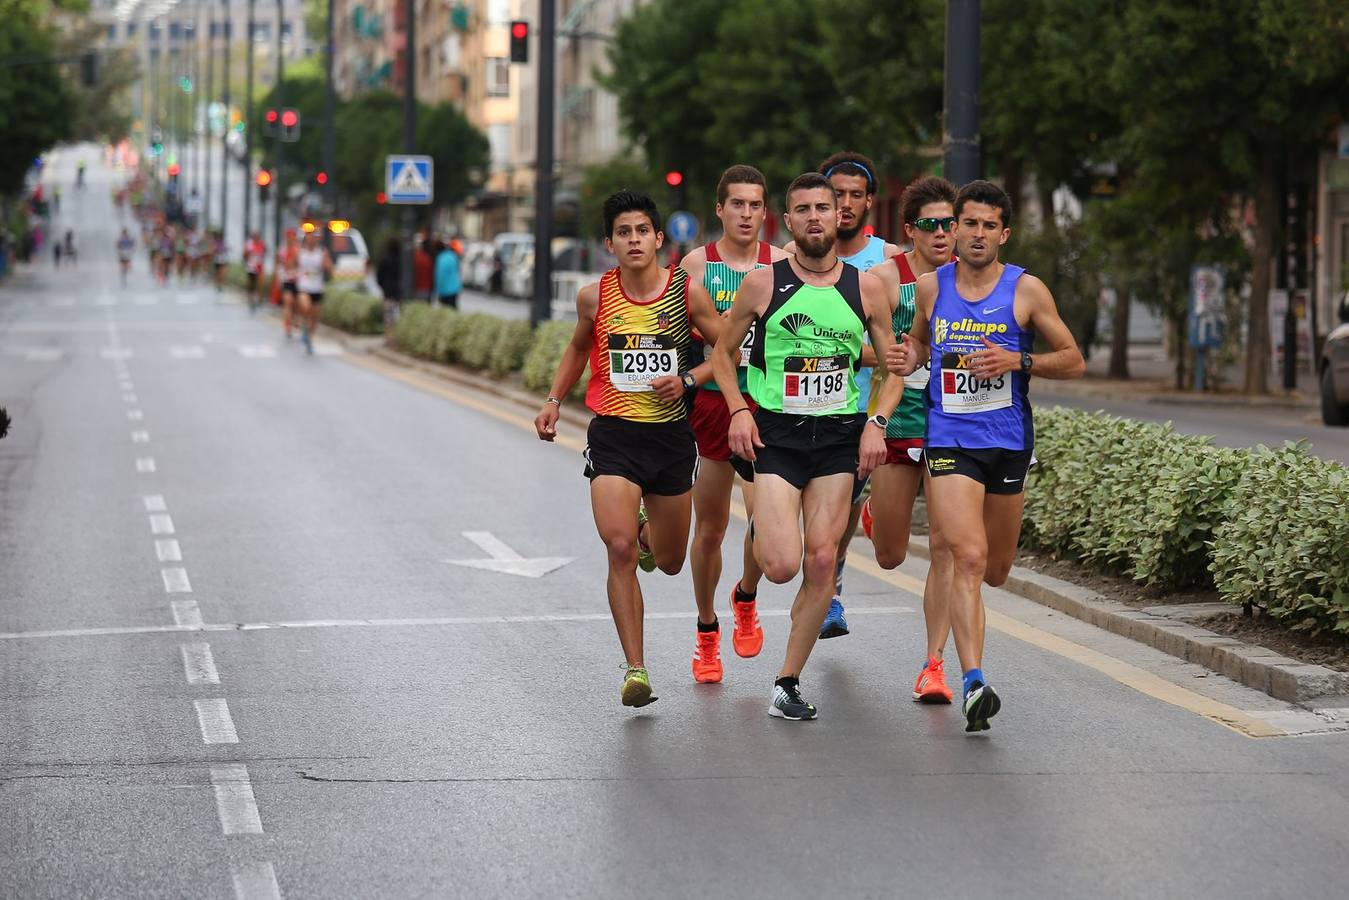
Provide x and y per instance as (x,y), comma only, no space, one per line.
(635,343)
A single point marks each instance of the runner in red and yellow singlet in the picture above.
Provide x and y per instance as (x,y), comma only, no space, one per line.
(634,327)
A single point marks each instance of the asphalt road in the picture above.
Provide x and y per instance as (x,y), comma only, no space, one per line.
(237,660)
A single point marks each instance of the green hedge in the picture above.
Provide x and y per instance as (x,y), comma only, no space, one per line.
(550,339)
(1264,527)
(352,311)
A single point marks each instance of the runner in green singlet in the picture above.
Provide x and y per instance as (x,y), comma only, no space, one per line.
(808,439)
(720,267)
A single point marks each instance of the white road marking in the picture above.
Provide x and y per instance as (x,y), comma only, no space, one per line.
(145,464)
(188,301)
(217,727)
(504,559)
(135,415)
(187,351)
(44,354)
(257,351)
(324,348)
(154,503)
(168,551)
(234,800)
(127,386)
(161,523)
(129,398)
(256,881)
(199,664)
(106,301)
(116,353)
(64,301)
(209,338)
(147,301)
(175,581)
(140,437)
(186,614)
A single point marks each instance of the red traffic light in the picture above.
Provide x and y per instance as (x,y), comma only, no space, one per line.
(321,178)
(674,178)
(271,117)
(174,170)
(519,30)
(263,178)
(381,199)
(290,118)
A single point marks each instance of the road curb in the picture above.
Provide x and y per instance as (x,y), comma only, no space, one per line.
(1291,401)
(1250,664)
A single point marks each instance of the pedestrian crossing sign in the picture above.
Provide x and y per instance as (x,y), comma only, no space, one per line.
(409,179)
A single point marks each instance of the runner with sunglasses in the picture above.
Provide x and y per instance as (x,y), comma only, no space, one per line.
(928,208)
(977,322)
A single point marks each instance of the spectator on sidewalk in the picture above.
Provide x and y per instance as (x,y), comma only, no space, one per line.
(389,277)
(448,283)
(422,265)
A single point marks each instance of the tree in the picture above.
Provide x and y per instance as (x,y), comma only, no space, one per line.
(34,96)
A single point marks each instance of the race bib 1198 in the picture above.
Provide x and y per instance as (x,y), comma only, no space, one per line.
(815,384)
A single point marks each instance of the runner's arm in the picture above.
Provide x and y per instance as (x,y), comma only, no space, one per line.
(709,324)
(573,362)
(1063,361)
(888,276)
(871,450)
(911,350)
(750,302)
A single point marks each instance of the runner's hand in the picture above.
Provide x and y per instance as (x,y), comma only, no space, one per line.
(992,361)
(902,356)
(668,388)
(743,436)
(545,423)
(871,451)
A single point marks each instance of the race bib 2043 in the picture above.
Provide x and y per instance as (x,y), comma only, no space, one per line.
(635,360)
(964,392)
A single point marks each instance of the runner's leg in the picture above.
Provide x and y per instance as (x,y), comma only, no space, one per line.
(712,513)
(956,507)
(1002,525)
(668,529)
(777,530)
(824,510)
(614,501)
(893,491)
(751,574)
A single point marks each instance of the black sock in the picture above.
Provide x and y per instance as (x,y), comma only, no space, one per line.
(715,626)
(742,596)
(787,682)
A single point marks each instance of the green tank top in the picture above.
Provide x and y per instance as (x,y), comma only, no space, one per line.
(809,345)
(910,417)
(722,282)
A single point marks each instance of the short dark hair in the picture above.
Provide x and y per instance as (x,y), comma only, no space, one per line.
(629,201)
(808,181)
(928,189)
(988,193)
(850,162)
(740,175)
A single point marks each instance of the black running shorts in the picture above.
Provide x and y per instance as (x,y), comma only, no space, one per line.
(659,457)
(999,471)
(801,448)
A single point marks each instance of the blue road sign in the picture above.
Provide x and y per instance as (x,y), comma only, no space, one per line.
(409,179)
(682,227)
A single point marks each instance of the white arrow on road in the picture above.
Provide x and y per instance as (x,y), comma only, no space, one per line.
(504,559)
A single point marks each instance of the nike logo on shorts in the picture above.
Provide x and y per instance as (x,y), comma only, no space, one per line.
(1010,480)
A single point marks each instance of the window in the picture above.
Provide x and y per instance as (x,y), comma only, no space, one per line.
(175,30)
(262,31)
(498,76)
(499,139)
(112,32)
(131,29)
(498,13)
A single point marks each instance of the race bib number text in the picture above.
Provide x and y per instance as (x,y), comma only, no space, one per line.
(963,392)
(815,384)
(635,360)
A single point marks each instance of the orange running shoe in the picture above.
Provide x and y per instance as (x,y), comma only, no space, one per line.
(866,518)
(931,684)
(747,636)
(707,658)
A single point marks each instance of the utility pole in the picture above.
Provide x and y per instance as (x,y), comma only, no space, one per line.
(225,132)
(543,169)
(409,129)
(193,172)
(248,125)
(960,139)
(279,185)
(329,126)
(206,96)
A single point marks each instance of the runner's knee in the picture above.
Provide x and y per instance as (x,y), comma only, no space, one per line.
(970,559)
(996,572)
(708,537)
(622,550)
(890,558)
(821,563)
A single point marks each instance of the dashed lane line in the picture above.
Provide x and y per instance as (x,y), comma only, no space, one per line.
(145,464)
(134,415)
(234,800)
(176,581)
(140,437)
(154,503)
(168,551)
(256,881)
(199,664)
(217,726)
(161,523)
(186,617)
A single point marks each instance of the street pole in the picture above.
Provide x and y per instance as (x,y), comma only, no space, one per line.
(279,186)
(194,79)
(225,133)
(248,125)
(543,175)
(329,126)
(206,138)
(409,129)
(961,94)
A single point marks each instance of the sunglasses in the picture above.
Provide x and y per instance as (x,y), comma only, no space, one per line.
(931,223)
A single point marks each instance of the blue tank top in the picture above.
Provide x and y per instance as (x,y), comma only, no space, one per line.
(968,412)
(873,254)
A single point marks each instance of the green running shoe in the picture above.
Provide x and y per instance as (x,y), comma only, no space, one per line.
(636,687)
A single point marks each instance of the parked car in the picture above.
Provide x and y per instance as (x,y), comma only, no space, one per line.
(1333,368)
(351,256)
(476,266)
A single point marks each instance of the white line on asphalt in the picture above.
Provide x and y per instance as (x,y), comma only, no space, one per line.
(257,351)
(186,614)
(199,664)
(234,800)
(191,351)
(129,398)
(161,523)
(145,464)
(175,581)
(127,385)
(168,551)
(106,301)
(256,881)
(44,354)
(154,503)
(64,301)
(147,301)
(140,437)
(135,415)
(188,301)
(116,353)
(193,622)
(216,725)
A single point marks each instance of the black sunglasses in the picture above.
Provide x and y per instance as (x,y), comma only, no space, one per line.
(932,223)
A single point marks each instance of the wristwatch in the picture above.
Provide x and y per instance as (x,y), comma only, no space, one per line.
(690,383)
(879,420)
(1026,362)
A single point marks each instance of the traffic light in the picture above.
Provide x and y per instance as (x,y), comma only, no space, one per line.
(519,42)
(674,178)
(173,171)
(321,178)
(290,126)
(264,181)
(269,120)
(381,198)
(186,84)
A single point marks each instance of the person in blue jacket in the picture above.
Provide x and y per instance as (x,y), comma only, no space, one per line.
(448,284)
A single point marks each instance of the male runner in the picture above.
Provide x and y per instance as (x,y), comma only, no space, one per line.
(314,266)
(126,246)
(929,219)
(977,321)
(807,438)
(255,254)
(634,327)
(720,267)
(288,264)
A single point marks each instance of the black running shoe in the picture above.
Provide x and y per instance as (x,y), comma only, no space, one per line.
(788,704)
(981,704)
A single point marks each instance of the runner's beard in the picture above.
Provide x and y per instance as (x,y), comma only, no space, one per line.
(817,248)
(847,234)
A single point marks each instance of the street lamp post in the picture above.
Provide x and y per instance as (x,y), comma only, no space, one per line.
(961,94)
(543,177)
(329,127)
(409,129)
(225,132)
(206,97)
(248,124)
(279,188)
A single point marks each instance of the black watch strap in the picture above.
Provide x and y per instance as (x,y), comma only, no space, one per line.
(1027,361)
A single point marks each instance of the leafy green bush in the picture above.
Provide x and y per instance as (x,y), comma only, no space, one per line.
(235,276)
(513,342)
(550,339)
(414,332)
(478,340)
(355,312)
(1284,541)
